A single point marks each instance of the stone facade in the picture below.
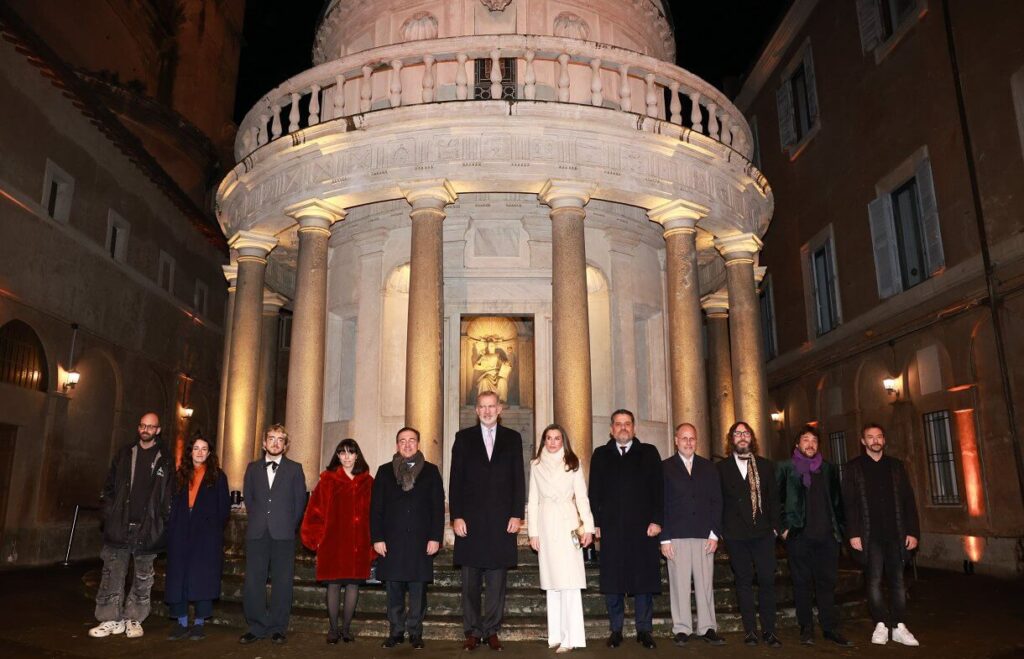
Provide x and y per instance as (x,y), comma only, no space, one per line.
(887,114)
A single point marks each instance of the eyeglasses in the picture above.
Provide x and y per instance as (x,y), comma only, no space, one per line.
(147,426)
(742,433)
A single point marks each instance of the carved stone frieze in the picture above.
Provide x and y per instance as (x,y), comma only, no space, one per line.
(496,5)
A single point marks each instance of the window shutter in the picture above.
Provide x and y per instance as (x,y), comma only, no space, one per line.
(869,17)
(833,273)
(883,238)
(931,232)
(784,103)
(812,86)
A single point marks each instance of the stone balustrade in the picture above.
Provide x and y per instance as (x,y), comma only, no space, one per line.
(551,69)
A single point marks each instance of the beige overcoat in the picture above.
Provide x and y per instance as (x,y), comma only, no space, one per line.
(557,502)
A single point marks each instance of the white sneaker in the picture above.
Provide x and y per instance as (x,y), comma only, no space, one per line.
(881,634)
(133,629)
(901,634)
(107,628)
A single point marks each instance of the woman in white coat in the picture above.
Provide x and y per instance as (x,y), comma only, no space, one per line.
(560,522)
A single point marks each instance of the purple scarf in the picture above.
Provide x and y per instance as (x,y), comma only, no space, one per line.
(804,465)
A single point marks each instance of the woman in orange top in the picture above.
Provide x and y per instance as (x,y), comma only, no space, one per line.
(195,538)
(337,527)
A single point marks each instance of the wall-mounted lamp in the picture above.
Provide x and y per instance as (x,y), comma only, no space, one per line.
(186,404)
(71,379)
(186,412)
(891,386)
(778,417)
(73,376)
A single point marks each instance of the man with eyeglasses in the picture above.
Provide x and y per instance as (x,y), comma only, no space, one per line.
(136,504)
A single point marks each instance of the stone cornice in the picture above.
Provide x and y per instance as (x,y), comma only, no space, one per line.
(774,52)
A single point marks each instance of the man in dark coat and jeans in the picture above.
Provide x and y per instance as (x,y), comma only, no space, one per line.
(406,528)
(881,520)
(136,504)
(812,523)
(627,497)
(486,502)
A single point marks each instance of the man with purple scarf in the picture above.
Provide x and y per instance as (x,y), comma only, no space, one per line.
(812,527)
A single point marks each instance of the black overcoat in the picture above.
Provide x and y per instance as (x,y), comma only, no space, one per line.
(486,493)
(195,543)
(406,521)
(627,494)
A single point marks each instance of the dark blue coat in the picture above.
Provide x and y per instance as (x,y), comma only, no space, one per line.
(195,543)
(693,501)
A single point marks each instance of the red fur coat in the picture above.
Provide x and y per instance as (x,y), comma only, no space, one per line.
(337,525)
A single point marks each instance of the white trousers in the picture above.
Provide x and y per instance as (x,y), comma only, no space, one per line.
(565,619)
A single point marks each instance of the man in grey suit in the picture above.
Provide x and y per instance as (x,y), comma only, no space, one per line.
(274,491)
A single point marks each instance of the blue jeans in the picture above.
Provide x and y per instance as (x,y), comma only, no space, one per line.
(643,604)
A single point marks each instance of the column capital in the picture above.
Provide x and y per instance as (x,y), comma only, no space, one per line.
(759,272)
(716,305)
(230,274)
(433,193)
(315,214)
(272,302)
(678,215)
(558,193)
(252,246)
(739,247)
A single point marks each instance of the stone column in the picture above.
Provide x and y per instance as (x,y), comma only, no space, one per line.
(272,303)
(304,411)
(570,319)
(244,357)
(230,274)
(424,396)
(716,306)
(749,378)
(686,343)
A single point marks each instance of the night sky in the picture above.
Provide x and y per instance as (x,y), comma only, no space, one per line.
(718,40)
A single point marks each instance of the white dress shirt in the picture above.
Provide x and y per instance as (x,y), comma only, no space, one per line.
(271,472)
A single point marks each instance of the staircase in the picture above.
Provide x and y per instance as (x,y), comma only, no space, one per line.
(525,616)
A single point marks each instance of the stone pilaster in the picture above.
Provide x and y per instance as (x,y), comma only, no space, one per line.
(686,345)
(570,318)
(244,357)
(424,395)
(749,377)
(231,275)
(272,303)
(304,414)
(716,308)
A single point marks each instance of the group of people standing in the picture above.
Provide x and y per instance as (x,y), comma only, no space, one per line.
(641,508)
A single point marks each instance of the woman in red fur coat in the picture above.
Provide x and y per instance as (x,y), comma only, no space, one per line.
(337,527)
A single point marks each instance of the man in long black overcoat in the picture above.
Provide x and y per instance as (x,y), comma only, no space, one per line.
(627,497)
(486,501)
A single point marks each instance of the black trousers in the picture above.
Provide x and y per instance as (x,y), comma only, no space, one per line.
(885,559)
(266,557)
(402,619)
(748,557)
(483,624)
(643,611)
(814,566)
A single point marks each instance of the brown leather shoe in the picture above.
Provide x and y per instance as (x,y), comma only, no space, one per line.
(471,642)
(494,643)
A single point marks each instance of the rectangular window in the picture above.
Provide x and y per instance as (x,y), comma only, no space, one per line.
(837,442)
(882,23)
(199,298)
(165,272)
(941,463)
(797,102)
(905,232)
(482,79)
(823,270)
(58,189)
(117,236)
(284,332)
(767,297)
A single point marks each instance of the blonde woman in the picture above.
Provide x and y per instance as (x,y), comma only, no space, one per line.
(560,522)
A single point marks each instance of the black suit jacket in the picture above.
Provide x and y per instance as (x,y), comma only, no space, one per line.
(278,509)
(486,493)
(737,517)
(693,501)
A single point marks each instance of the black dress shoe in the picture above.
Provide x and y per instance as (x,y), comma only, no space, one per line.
(712,637)
(416,642)
(247,638)
(333,636)
(680,638)
(807,636)
(279,638)
(772,640)
(392,641)
(838,639)
(614,640)
(347,637)
(750,638)
(645,639)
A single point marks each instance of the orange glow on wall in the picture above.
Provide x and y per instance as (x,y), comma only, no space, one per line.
(965,431)
(974,547)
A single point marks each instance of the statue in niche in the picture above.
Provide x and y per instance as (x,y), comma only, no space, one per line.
(491,369)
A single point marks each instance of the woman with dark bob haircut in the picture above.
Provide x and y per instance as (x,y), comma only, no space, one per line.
(337,527)
(195,537)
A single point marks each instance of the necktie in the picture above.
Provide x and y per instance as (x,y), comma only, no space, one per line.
(490,442)
(273,465)
(622,450)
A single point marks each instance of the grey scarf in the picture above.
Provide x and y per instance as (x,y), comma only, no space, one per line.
(407,470)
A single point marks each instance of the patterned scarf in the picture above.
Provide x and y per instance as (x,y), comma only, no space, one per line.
(755,485)
(407,469)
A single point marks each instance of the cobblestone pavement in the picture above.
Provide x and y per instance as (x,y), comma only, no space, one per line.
(46,614)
